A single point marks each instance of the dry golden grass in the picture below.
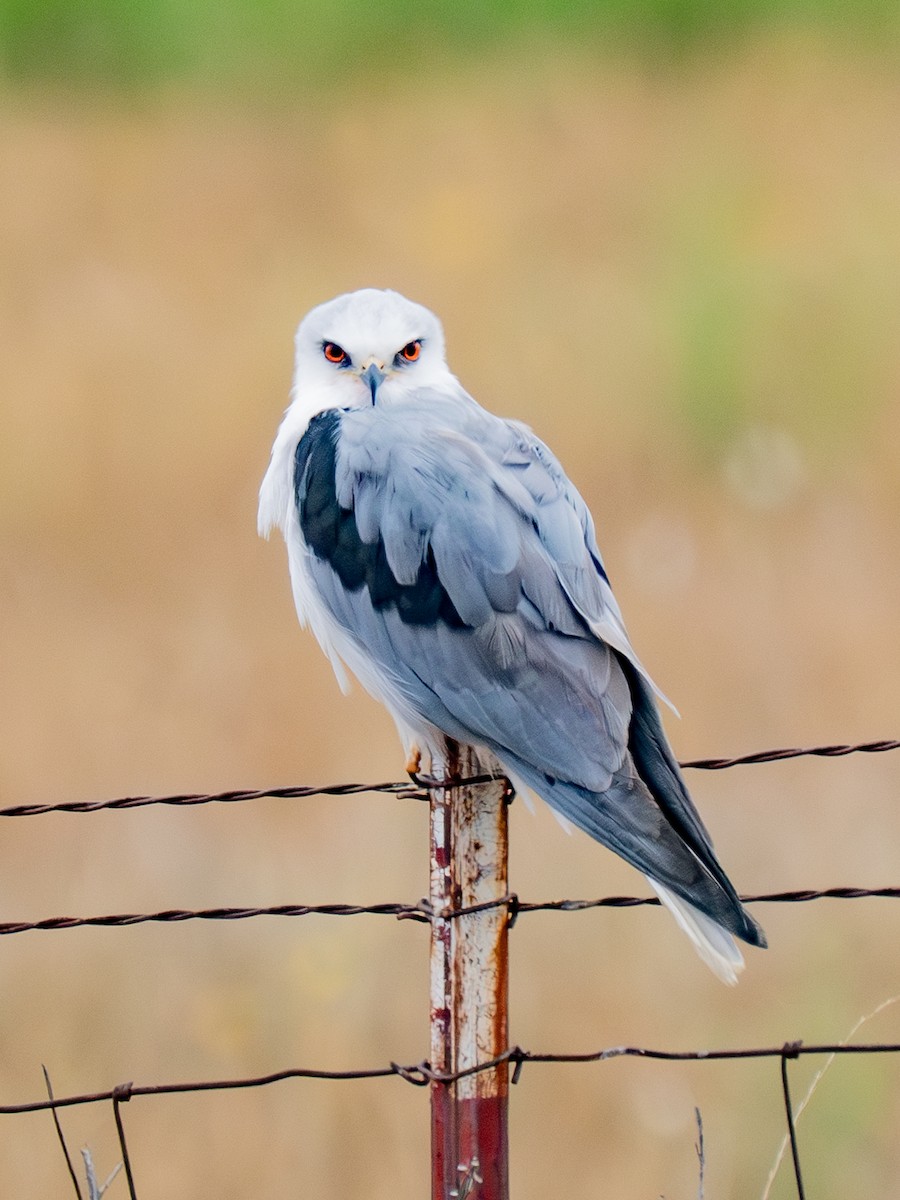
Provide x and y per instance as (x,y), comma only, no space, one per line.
(688,285)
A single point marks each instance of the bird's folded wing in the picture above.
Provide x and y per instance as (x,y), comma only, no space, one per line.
(458,556)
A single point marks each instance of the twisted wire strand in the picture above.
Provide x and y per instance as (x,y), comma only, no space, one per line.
(410,790)
(422,911)
(764,756)
(421,1074)
(405,790)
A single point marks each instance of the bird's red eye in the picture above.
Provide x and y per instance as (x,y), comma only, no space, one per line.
(411,351)
(334,353)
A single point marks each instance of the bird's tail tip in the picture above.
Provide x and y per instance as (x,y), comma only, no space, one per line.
(715,945)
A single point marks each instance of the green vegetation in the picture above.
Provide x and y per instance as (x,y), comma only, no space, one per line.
(140,43)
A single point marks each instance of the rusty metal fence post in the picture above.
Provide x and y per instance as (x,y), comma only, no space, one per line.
(469,982)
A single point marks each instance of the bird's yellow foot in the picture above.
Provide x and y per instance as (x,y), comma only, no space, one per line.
(413,761)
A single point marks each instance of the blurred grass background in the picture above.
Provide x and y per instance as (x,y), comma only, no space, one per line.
(135,44)
(664,234)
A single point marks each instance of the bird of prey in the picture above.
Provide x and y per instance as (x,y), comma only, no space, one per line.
(441,553)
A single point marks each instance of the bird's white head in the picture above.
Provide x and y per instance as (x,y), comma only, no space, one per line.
(366,347)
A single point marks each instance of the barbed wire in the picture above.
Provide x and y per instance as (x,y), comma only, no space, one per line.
(766,756)
(411,790)
(405,790)
(422,911)
(422,1074)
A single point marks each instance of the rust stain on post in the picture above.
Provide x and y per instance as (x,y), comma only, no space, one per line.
(469,982)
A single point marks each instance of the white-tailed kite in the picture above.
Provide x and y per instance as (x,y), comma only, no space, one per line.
(441,553)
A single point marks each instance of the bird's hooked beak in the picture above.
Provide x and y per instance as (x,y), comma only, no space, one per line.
(373,375)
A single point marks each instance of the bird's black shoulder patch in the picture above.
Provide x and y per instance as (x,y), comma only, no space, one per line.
(601,570)
(332,534)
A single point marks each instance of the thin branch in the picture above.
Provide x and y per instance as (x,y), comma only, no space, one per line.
(97,1191)
(93,1187)
(701,1153)
(61,1136)
(817,1079)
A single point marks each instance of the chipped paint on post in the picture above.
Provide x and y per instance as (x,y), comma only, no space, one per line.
(469,981)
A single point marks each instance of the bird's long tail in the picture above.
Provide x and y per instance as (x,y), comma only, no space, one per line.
(714,944)
(661,834)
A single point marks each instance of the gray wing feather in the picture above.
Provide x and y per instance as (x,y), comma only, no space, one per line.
(527,674)
(541,670)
